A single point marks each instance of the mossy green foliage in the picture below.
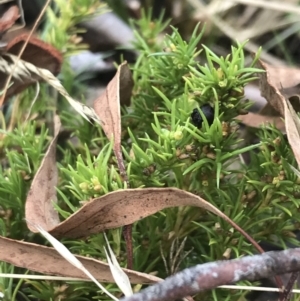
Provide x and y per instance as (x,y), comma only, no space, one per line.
(162,148)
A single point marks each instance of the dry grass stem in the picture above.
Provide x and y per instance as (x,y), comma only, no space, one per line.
(282,6)
(22,50)
(236,35)
(24,69)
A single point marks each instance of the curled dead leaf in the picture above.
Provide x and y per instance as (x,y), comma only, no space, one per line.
(39,208)
(270,90)
(257,120)
(47,260)
(292,125)
(124,207)
(9,18)
(283,77)
(107,107)
(37,52)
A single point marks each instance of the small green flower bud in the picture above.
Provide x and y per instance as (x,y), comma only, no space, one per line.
(173,47)
(84,187)
(97,187)
(220,73)
(95,181)
(178,135)
(205,183)
(223,83)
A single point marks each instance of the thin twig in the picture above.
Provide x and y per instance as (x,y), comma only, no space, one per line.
(61,278)
(289,287)
(211,275)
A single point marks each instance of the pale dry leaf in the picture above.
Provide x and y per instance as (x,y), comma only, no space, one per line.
(46,260)
(39,207)
(107,107)
(292,126)
(67,255)
(296,171)
(125,84)
(293,94)
(257,120)
(268,110)
(294,115)
(270,90)
(124,207)
(283,76)
(284,79)
(9,18)
(120,277)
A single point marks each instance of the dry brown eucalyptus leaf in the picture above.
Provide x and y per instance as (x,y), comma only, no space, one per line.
(294,98)
(256,120)
(292,125)
(9,18)
(268,110)
(283,77)
(270,91)
(124,207)
(107,107)
(294,115)
(47,260)
(39,208)
(37,52)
